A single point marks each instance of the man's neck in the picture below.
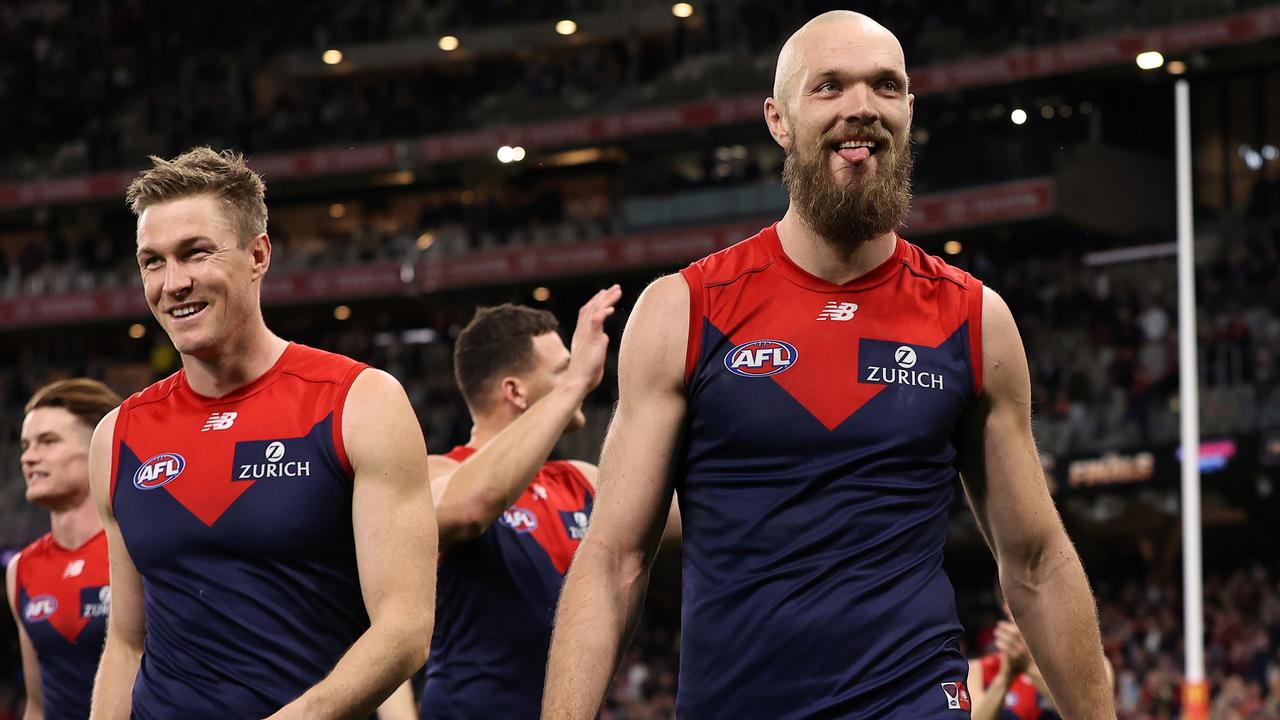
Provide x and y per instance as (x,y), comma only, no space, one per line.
(236,365)
(830,261)
(74,526)
(485,427)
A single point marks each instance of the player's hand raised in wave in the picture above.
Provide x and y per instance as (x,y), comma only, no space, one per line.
(590,344)
(1010,644)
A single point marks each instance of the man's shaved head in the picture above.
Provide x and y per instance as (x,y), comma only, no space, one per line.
(831,31)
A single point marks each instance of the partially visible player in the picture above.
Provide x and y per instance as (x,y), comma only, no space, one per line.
(1007,684)
(814,393)
(267,507)
(58,586)
(510,520)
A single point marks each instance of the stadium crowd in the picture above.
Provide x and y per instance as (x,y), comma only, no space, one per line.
(1102,341)
(162,77)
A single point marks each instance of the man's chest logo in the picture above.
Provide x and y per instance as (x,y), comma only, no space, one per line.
(575,522)
(98,605)
(521,520)
(40,608)
(275,460)
(159,471)
(761,358)
(838,311)
(220,421)
(883,362)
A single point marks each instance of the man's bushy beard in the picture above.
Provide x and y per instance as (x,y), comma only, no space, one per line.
(849,214)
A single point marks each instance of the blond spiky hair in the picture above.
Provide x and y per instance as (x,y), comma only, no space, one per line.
(201,171)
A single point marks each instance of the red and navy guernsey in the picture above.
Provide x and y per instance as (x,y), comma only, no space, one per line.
(496,599)
(1022,700)
(236,512)
(819,472)
(63,599)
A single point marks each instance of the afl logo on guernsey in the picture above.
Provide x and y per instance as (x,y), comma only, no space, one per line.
(40,608)
(159,471)
(519,519)
(760,358)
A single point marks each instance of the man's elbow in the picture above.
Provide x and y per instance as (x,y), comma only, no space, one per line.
(1027,565)
(419,646)
(601,562)
(412,635)
(462,521)
(122,644)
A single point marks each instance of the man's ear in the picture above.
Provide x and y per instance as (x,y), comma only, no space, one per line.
(260,247)
(779,128)
(514,392)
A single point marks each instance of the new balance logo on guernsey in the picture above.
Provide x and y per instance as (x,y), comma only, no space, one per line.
(74,568)
(838,311)
(219,421)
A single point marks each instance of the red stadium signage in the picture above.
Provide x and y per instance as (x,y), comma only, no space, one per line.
(1018,200)
(1003,68)
(329,161)
(356,281)
(628,251)
(1021,200)
(1115,49)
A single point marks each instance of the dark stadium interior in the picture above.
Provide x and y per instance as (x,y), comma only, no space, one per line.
(1068,215)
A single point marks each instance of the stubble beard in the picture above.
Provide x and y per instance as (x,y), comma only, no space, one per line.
(847,214)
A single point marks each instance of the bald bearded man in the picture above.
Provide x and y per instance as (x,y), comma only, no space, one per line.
(813,393)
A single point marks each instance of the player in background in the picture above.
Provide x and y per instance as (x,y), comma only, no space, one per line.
(58,586)
(267,508)
(813,393)
(509,519)
(1007,684)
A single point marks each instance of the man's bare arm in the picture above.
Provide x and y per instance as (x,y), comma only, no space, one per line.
(487,483)
(605,587)
(1040,571)
(400,705)
(126,629)
(987,699)
(34,707)
(395,537)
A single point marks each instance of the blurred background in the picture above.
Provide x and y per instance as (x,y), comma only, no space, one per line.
(424,157)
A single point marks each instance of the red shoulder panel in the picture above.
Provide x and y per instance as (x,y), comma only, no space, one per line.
(749,255)
(460,453)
